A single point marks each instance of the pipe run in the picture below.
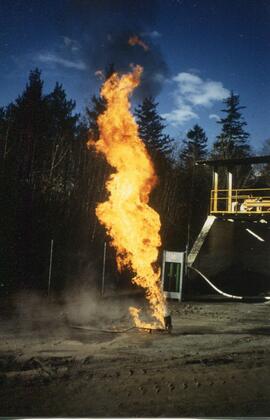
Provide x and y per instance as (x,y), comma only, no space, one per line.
(214,287)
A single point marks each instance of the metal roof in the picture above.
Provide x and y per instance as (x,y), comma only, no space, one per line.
(236,161)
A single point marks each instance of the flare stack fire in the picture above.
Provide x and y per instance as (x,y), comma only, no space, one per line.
(132,225)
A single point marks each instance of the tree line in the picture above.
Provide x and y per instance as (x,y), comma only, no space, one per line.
(50,182)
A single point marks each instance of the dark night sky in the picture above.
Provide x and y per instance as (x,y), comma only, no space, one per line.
(199,51)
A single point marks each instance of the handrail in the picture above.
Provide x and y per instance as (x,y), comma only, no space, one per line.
(240,212)
(267,197)
(240,200)
(243,189)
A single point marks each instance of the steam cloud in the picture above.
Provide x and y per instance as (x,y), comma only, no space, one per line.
(79,304)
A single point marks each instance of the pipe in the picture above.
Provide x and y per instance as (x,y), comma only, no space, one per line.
(267,298)
(213,286)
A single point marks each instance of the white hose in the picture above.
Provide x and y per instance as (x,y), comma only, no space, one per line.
(213,286)
(267,298)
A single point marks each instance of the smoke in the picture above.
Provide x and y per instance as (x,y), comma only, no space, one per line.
(35,312)
(83,304)
(79,304)
(104,28)
(89,308)
(122,55)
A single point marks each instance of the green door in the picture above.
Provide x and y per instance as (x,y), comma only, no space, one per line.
(172,274)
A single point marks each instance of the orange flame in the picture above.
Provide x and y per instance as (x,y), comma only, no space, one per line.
(135,40)
(130,222)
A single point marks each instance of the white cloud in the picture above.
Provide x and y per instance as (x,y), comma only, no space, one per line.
(71,44)
(214,117)
(192,92)
(66,54)
(180,115)
(198,91)
(56,59)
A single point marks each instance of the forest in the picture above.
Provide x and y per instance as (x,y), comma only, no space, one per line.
(51,183)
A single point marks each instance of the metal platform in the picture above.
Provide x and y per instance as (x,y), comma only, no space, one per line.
(235,257)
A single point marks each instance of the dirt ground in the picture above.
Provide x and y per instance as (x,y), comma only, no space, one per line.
(215,363)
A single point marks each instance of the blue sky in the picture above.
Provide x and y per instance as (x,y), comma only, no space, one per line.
(198,52)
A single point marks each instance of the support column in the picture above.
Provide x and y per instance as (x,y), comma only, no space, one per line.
(229,187)
(214,203)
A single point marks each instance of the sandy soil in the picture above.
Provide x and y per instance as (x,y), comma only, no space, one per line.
(215,363)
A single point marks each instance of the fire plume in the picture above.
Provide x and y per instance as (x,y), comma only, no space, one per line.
(132,225)
(135,40)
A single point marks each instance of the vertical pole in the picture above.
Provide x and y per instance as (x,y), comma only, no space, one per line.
(229,187)
(214,206)
(190,200)
(163,268)
(50,268)
(183,269)
(103,269)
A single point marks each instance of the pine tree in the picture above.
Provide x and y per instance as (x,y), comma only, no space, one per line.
(159,146)
(29,126)
(193,181)
(56,154)
(4,136)
(97,168)
(97,107)
(233,139)
(61,109)
(151,130)
(195,146)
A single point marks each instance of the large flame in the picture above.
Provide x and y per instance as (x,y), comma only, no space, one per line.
(129,221)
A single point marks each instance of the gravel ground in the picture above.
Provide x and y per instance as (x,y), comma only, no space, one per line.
(215,363)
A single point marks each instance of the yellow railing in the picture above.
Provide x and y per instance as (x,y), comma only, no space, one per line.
(239,201)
